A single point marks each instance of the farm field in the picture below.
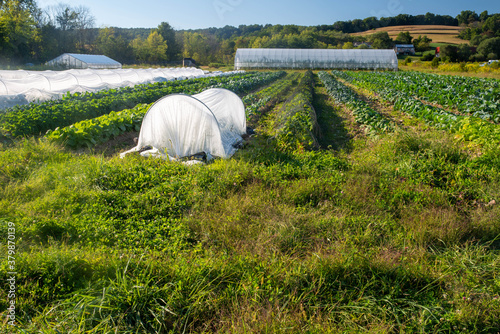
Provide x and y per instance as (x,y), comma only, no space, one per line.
(364,202)
(438,33)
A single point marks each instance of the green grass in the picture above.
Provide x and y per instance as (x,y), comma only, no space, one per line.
(397,233)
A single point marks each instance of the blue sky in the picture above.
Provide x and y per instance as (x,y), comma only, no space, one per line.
(196,14)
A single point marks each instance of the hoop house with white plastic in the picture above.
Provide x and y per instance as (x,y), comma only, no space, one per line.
(316,59)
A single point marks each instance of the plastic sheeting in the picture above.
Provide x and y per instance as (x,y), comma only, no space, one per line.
(179,125)
(229,111)
(22,87)
(316,58)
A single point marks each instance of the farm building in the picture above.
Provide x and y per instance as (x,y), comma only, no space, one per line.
(316,58)
(83,61)
(404,49)
(188,62)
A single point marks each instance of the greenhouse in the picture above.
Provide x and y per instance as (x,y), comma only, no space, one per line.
(210,123)
(316,59)
(83,61)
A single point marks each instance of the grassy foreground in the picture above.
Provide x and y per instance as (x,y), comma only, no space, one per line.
(393,233)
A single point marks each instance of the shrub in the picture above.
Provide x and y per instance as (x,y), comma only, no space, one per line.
(435,62)
(427,57)
(492,56)
(216,65)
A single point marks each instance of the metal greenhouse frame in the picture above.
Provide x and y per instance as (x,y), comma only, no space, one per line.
(316,59)
(83,61)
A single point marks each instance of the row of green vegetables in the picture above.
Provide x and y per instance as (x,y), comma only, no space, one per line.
(88,133)
(297,125)
(39,118)
(478,97)
(373,121)
(256,102)
(469,128)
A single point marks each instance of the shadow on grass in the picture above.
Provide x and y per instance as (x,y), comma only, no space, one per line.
(333,133)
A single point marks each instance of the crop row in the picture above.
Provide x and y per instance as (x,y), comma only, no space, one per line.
(474,96)
(373,121)
(256,102)
(468,128)
(297,119)
(40,118)
(88,133)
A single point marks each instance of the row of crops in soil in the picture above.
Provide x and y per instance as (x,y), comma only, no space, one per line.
(395,231)
(477,126)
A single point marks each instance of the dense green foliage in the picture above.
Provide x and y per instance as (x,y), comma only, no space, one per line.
(474,96)
(470,128)
(259,102)
(91,132)
(373,121)
(297,123)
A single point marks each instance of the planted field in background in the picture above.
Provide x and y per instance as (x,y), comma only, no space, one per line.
(98,130)
(399,232)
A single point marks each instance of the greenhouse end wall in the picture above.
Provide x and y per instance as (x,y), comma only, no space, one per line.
(316,59)
(84,61)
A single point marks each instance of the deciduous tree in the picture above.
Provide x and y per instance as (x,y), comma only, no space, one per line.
(404,37)
(18,33)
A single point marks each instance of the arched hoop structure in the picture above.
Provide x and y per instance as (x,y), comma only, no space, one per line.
(180,125)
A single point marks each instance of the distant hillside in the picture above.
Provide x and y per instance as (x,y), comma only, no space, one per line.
(438,33)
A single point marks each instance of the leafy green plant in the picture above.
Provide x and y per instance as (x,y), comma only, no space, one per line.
(474,96)
(296,121)
(371,119)
(468,128)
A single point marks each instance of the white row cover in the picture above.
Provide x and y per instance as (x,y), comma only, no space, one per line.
(179,125)
(22,87)
(316,58)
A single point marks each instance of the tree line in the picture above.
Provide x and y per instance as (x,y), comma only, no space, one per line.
(482,31)
(29,34)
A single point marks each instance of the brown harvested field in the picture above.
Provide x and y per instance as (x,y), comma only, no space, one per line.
(438,34)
